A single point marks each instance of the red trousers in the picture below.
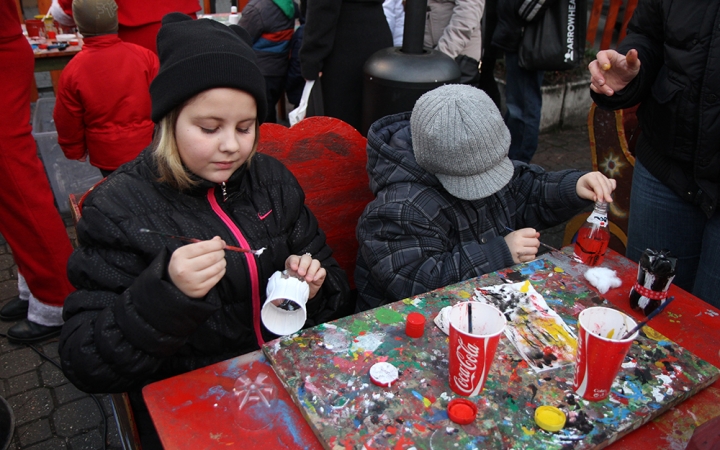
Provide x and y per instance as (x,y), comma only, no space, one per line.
(29,221)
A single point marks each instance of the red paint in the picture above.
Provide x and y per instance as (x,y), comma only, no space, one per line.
(391,430)
(419,427)
(328,158)
(616,397)
(195,410)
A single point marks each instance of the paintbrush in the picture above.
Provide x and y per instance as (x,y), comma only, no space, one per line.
(549,247)
(193,240)
(469,311)
(648,318)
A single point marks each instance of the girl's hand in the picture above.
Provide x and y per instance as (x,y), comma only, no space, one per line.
(523,244)
(306,268)
(196,268)
(596,187)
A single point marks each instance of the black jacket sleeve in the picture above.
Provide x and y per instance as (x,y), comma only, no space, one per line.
(319,35)
(117,332)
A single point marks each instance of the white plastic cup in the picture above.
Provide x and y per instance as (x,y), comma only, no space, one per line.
(282,287)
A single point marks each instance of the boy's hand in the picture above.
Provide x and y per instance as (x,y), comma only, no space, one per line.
(196,268)
(523,244)
(306,268)
(596,187)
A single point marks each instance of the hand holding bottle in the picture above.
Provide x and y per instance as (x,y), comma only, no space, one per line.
(596,187)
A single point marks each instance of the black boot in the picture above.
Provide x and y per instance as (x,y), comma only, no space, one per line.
(13,310)
(26,332)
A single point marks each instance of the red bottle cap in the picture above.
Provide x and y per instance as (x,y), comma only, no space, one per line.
(383,374)
(462,411)
(415,325)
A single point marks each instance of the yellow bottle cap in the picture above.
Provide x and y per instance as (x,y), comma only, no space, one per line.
(550,418)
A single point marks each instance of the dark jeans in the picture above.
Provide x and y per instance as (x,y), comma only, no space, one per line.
(659,219)
(524,103)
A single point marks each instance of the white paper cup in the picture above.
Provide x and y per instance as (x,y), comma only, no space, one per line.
(283,287)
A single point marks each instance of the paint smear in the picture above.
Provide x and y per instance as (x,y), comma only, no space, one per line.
(388,316)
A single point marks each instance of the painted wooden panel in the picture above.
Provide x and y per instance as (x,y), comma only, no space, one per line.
(326,371)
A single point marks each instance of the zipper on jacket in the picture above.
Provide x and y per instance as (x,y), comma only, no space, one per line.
(249,257)
(224,191)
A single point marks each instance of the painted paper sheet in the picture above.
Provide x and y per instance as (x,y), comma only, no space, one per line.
(539,334)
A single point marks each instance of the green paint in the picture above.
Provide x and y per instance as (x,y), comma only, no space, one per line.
(388,316)
(358,326)
(510,403)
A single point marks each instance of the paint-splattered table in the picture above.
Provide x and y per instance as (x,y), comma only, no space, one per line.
(238,403)
(325,369)
(201,409)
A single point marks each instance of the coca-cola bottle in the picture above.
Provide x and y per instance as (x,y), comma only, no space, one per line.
(593,237)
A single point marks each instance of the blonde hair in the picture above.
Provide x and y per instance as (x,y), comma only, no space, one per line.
(167,155)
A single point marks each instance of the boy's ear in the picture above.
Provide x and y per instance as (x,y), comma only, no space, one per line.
(244,35)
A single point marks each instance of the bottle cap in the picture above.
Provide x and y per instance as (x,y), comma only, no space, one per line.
(550,418)
(415,325)
(383,374)
(233,9)
(462,411)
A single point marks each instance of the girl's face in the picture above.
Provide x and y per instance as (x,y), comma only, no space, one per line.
(215,132)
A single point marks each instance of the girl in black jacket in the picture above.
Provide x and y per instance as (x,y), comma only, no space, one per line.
(148,307)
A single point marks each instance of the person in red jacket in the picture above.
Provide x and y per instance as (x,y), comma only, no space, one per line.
(139,20)
(103,99)
(29,221)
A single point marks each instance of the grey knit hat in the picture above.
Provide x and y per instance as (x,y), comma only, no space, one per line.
(459,136)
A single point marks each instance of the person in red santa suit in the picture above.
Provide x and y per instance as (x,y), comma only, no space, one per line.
(139,20)
(29,222)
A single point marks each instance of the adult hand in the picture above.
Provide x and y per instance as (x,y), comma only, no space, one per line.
(612,71)
(596,187)
(523,244)
(196,268)
(306,268)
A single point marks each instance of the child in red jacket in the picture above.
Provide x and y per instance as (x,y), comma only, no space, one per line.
(103,100)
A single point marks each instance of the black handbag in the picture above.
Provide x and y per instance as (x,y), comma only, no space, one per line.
(469,69)
(556,39)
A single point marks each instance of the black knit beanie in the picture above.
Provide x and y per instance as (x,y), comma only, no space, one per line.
(202,54)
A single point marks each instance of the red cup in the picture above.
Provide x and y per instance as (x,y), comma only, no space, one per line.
(35,27)
(472,351)
(601,350)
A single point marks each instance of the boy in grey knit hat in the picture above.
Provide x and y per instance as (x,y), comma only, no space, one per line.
(446,193)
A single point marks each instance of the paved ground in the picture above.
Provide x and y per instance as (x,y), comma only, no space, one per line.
(52,414)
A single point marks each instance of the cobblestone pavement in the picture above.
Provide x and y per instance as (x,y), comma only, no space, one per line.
(52,414)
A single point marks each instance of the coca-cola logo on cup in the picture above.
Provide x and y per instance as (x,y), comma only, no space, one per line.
(467,356)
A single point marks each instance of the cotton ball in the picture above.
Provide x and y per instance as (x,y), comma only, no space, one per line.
(602,278)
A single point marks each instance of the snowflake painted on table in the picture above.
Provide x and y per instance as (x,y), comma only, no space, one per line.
(248,391)
(612,165)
